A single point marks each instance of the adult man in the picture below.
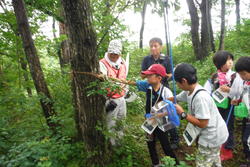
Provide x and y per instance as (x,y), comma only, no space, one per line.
(114,66)
(156,57)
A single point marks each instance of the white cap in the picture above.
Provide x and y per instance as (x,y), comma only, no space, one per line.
(115,47)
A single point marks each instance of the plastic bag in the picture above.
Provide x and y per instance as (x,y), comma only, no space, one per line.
(241,111)
(223,104)
(173,117)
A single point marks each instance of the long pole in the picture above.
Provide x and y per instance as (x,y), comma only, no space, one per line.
(165,2)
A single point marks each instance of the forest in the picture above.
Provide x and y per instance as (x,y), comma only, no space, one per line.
(52,100)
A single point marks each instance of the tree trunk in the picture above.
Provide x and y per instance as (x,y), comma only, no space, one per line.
(54,27)
(222,27)
(64,56)
(90,112)
(195,29)
(64,50)
(34,62)
(205,29)
(237,11)
(143,14)
(211,28)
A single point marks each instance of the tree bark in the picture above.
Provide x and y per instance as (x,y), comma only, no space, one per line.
(63,49)
(211,29)
(34,62)
(54,27)
(205,29)
(237,11)
(222,27)
(143,14)
(64,57)
(90,112)
(195,29)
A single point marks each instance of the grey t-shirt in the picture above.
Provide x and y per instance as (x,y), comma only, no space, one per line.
(203,107)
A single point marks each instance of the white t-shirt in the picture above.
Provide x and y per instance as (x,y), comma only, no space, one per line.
(203,107)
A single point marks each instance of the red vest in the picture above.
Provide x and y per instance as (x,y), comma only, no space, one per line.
(115,73)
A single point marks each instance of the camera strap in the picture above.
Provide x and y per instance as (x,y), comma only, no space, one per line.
(151,96)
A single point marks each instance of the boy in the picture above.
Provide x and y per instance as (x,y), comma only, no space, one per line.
(243,68)
(156,57)
(155,92)
(203,115)
(225,79)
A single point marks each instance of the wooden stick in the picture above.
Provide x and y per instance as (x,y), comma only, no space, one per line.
(104,77)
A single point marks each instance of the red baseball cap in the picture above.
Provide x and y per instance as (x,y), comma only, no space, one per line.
(155,69)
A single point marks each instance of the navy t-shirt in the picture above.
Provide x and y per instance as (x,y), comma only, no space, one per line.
(163,60)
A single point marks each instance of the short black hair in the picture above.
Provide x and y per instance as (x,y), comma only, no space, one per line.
(220,58)
(243,64)
(156,39)
(186,71)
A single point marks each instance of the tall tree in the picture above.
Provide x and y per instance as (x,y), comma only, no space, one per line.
(143,14)
(205,28)
(195,23)
(212,42)
(203,43)
(19,51)
(34,62)
(222,28)
(237,11)
(89,109)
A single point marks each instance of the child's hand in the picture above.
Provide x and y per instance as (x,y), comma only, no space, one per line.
(235,102)
(143,76)
(163,114)
(225,88)
(179,109)
(171,99)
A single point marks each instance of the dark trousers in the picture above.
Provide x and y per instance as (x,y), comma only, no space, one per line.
(245,136)
(230,126)
(174,136)
(163,138)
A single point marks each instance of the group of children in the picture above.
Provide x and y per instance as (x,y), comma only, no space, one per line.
(209,123)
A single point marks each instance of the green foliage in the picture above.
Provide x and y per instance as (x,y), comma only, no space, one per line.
(237,40)
(132,149)
(48,152)
(170,162)
(25,139)
(190,157)
(107,23)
